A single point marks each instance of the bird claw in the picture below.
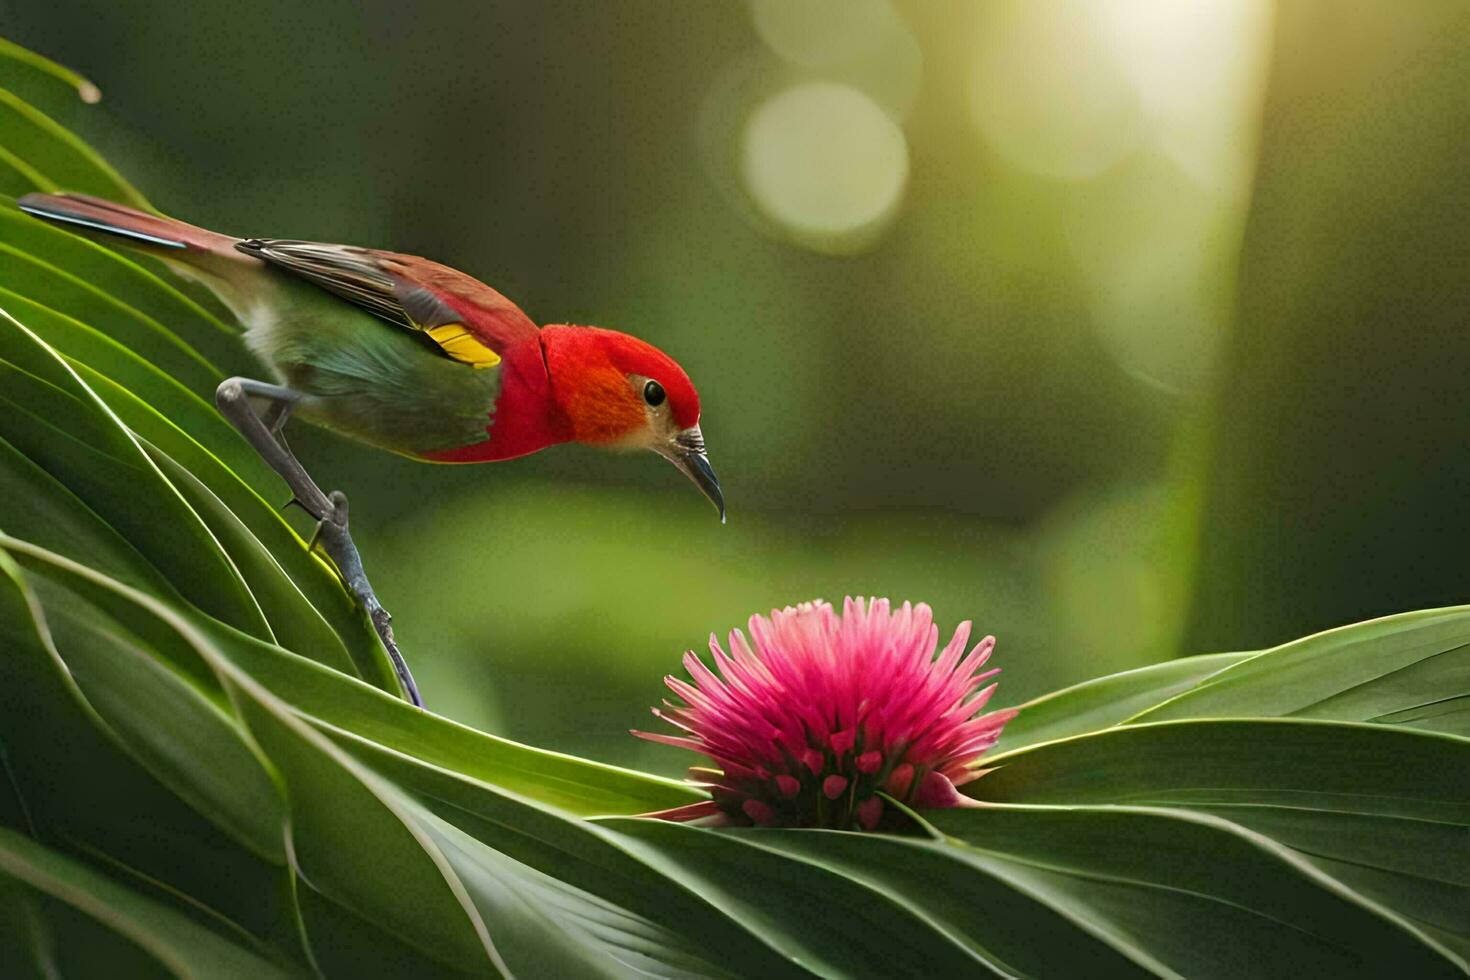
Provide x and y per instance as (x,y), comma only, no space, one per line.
(337,517)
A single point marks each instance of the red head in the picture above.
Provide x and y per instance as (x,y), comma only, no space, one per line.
(619,392)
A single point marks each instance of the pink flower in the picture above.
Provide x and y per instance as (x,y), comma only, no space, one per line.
(818,713)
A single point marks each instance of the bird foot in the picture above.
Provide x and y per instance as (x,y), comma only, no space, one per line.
(333,538)
(336,518)
(329,510)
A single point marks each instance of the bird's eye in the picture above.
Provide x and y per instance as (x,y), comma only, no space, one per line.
(653,393)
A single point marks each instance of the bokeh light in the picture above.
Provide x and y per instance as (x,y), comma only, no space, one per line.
(1048,92)
(826,164)
(1159,319)
(862,43)
(1198,68)
(1145,115)
(1110,570)
(1153,248)
(821,33)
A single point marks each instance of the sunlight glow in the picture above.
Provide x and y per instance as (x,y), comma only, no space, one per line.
(826,163)
(1148,110)
(1198,68)
(1047,90)
(820,33)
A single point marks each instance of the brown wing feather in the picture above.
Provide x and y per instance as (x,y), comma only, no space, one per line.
(487,314)
(467,319)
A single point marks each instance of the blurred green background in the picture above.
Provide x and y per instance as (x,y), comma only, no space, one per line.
(1127,330)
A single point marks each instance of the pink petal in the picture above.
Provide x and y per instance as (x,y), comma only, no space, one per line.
(955,647)
(900,780)
(689,811)
(966,775)
(674,740)
(869,812)
(805,684)
(935,790)
(737,771)
(760,812)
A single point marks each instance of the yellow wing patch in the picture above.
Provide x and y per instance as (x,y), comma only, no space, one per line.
(463,346)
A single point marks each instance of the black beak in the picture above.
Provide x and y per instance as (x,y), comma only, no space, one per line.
(686,451)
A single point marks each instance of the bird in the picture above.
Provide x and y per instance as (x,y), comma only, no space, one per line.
(407,355)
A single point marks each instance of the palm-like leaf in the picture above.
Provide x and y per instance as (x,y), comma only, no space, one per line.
(204,775)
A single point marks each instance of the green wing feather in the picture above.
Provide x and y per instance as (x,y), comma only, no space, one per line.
(358,275)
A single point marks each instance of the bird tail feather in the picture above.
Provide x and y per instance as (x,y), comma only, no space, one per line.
(164,237)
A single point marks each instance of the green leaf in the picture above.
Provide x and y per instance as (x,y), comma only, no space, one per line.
(178,326)
(293,619)
(1411,670)
(1386,811)
(301,596)
(65,293)
(541,924)
(83,346)
(58,520)
(337,705)
(176,944)
(1110,700)
(1010,928)
(351,830)
(52,151)
(51,416)
(182,735)
(824,921)
(344,944)
(574,852)
(41,81)
(79,784)
(1201,894)
(1356,768)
